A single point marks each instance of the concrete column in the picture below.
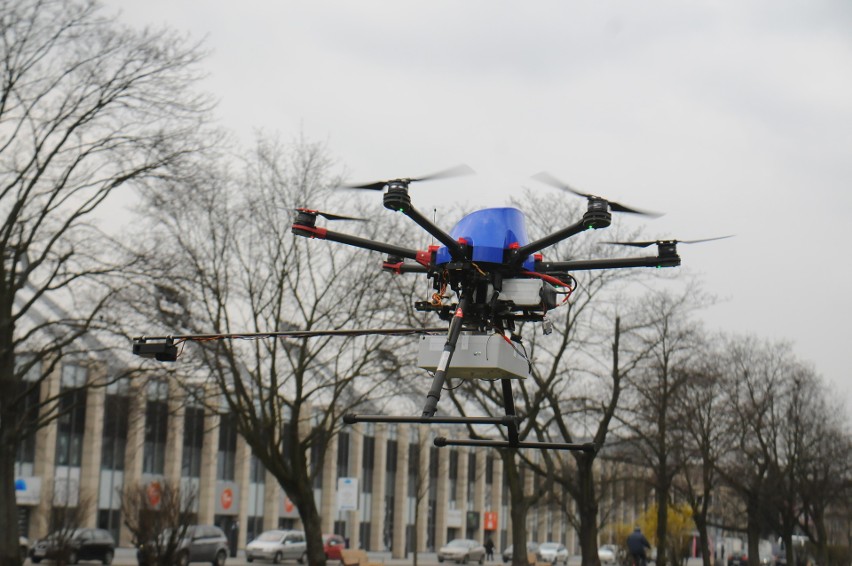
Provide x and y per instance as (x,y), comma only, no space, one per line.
(442,495)
(479,493)
(328,505)
(461,488)
(377,509)
(90,464)
(207,481)
(558,531)
(497,496)
(174,438)
(44,465)
(271,502)
(401,493)
(423,473)
(241,478)
(135,447)
(356,468)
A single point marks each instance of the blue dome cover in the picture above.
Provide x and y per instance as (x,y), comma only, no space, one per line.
(490,231)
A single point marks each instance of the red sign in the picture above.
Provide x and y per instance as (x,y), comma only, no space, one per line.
(227,498)
(490,521)
(154,493)
(288,505)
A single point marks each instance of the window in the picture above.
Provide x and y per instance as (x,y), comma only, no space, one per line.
(156,428)
(343,455)
(413,467)
(28,407)
(193,440)
(227,457)
(368,458)
(71,424)
(116,424)
(257,472)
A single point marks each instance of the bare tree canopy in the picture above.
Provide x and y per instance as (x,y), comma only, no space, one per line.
(225,262)
(87,109)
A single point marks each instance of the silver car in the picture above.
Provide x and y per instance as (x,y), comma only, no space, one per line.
(277,546)
(462,550)
(552,552)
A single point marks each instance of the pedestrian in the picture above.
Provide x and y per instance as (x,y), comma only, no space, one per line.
(489,549)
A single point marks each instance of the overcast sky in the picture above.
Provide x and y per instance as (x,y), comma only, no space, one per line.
(730,117)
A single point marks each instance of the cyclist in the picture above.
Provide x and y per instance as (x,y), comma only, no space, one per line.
(636,545)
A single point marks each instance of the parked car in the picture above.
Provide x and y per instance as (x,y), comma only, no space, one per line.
(200,543)
(332,545)
(278,545)
(79,544)
(462,550)
(607,554)
(552,552)
(738,559)
(507,552)
(24,544)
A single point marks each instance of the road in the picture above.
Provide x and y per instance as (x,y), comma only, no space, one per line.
(127,557)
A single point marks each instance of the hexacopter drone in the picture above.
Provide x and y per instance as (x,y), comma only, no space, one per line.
(486,276)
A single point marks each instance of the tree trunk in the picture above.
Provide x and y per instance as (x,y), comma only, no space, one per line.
(587,508)
(517,509)
(8,505)
(753,530)
(822,534)
(662,524)
(303,498)
(701,526)
(8,447)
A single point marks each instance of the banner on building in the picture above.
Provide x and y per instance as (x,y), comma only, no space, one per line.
(347,494)
(227,498)
(287,509)
(454,518)
(490,520)
(473,519)
(28,490)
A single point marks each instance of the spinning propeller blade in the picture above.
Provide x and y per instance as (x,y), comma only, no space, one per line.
(549,179)
(457,171)
(658,242)
(329,215)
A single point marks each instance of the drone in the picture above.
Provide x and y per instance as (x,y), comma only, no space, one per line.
(487,277)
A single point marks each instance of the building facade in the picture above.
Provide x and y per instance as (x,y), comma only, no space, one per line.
(148,432)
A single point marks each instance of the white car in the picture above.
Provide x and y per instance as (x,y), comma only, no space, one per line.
(277,546)
(552,552)
(607,554)
(462,550)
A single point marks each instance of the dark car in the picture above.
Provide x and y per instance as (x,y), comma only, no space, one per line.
(332,545)
(200,543)
(77,545)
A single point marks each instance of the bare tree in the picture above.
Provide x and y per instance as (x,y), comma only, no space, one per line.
(703,436)
(158,514)
(224,261)
(754,376)
(673,339)
(68,511)
(87,109)
(824,476)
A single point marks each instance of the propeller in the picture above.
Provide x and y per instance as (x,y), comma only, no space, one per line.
(328,215)
(457,171)
(549,179)
(662,242)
